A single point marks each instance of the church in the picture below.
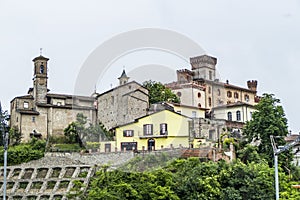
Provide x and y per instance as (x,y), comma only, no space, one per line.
(42,114)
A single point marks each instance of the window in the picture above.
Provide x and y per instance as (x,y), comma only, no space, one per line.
(229,116)
(128,133)
(33,119)
(210,75)
(163,129)
(238,115)
(209,101)
(251,115)
(194,114)
(199,105)
(26,105)
(112,100)
(199,94)
(229,94)
(236,95)
(246,97)
(148,129)
(179,94)
(42,69)
(219,92)
(209,89)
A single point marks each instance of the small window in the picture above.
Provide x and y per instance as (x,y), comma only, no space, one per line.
(17,119)
(148,129)
(238,115)
(129,87)
(26,105)
(209,89)
(179,94)
(229,94)
(210,75)
(209,101)
(246,97)
(236,95)
(229,116)
(219,92)
(199,105)
(199,95)
(42,69)
(128,133)
(194,114)
(163,129)
(112,100)
(33,119)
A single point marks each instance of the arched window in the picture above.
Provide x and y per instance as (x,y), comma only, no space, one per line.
(209,101)
(209,89)
(219,92)
(236,95)
(229,116)
(238,115)
(42,69)
(199,94)
(179,94)
(246,97)
(229,94)
(199,105)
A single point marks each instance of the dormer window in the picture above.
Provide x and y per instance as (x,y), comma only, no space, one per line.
(26,105)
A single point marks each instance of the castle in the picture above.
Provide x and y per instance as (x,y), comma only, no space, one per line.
(208,108)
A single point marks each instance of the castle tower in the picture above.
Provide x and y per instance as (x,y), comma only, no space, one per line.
(123,79)
(204,67)
(40,76)
(252,85)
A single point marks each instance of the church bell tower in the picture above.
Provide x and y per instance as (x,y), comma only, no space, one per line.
(40,78)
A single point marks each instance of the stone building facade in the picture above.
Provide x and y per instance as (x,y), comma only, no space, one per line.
(42,114)
(122,104)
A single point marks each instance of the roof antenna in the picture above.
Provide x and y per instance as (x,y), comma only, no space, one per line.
(41,51)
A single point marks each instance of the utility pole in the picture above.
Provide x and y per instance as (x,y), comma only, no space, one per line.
(276,153)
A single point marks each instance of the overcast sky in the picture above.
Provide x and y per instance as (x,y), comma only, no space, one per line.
(251,40)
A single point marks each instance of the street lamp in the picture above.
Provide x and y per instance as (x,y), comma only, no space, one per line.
(276,153)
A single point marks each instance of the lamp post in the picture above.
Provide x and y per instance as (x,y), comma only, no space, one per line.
(276,153)
(5,142)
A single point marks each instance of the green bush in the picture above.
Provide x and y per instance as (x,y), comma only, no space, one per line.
(24,152)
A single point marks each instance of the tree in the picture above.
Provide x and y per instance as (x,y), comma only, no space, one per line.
(268,120)
(4,117)
(75,130)
(159,93)
(79,132)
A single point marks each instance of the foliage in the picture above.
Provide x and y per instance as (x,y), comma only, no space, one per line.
(147,162)
(66,147)
(79,131)
(75,130)
(4,117)
(249,154)
(191,179)
(14,136)
(24,152)
(159,93)
(268,120)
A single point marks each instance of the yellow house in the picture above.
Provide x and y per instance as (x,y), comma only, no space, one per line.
(163,129)
(190,111)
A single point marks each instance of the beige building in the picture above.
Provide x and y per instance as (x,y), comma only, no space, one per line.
(42,114)
(122,104)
